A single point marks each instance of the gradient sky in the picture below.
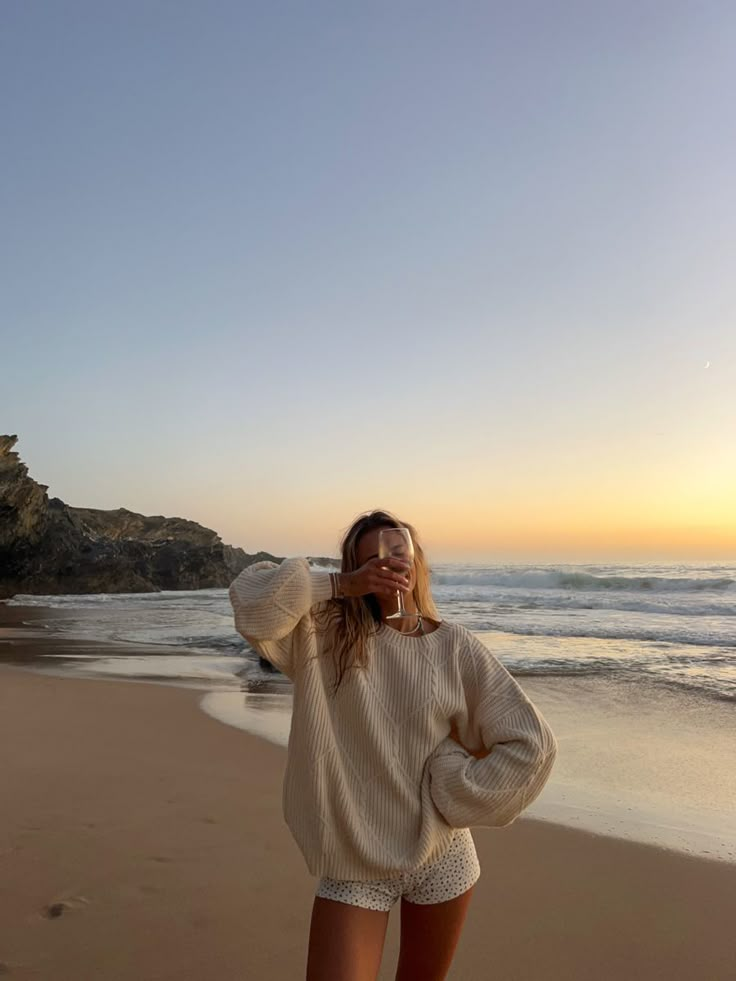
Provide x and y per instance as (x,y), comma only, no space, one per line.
(268,265)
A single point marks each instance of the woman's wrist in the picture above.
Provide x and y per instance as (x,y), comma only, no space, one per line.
(339,584)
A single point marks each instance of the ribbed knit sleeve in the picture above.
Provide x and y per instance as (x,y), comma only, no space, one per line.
(270,601)
(493,791)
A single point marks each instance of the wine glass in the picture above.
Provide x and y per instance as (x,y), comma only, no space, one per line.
(396,543)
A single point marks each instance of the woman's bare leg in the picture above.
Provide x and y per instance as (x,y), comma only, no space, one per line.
(429,937)
(345,942)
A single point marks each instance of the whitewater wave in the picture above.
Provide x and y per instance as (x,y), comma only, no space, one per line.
(583,581)
(171,598)
(721,605)
(699,634)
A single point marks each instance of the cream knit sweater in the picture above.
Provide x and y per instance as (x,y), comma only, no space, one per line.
(374,785)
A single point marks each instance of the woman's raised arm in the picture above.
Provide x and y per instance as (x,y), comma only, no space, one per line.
(270,600)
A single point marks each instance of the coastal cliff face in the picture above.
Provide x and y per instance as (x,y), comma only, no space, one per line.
(23,502)
(48,547)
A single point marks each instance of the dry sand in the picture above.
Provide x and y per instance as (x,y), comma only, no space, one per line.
(154,832)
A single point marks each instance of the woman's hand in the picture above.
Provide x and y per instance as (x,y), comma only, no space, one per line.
(380,576)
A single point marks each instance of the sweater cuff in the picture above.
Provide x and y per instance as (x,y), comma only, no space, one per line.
(450,747)
(321,586)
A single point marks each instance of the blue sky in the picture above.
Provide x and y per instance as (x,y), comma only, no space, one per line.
(269,265)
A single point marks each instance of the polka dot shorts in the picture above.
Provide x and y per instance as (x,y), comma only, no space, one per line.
(446,878)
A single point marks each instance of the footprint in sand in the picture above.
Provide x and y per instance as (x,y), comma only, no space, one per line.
(54,910)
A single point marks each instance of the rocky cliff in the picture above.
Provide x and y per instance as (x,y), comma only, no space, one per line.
(47,547)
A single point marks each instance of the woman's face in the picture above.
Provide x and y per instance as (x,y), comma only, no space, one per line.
(368,549)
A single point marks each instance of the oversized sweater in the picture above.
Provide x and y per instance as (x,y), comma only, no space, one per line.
(374,785)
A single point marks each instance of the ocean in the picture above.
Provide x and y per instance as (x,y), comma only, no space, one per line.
(670,626)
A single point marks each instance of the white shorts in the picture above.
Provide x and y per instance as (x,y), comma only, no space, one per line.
(445,878)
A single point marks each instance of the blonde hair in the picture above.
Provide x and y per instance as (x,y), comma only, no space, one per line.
(351,620)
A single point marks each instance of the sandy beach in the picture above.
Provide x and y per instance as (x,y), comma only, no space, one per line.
(143,839)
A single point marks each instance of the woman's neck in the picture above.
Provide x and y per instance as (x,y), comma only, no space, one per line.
(390,606)
(405,625)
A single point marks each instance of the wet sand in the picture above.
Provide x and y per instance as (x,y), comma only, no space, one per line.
(142,839)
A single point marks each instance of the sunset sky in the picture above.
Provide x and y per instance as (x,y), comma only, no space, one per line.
(267,266)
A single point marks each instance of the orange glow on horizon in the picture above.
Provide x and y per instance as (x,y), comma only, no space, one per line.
(570,516)
(518,541)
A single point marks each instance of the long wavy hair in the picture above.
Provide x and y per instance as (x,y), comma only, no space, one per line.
(351,620)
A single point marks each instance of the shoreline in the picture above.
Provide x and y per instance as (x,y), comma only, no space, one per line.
(144,839)
(634,765)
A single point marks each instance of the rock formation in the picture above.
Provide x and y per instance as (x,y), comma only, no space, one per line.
(48,547)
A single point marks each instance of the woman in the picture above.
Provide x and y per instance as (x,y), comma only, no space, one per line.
(404,733)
